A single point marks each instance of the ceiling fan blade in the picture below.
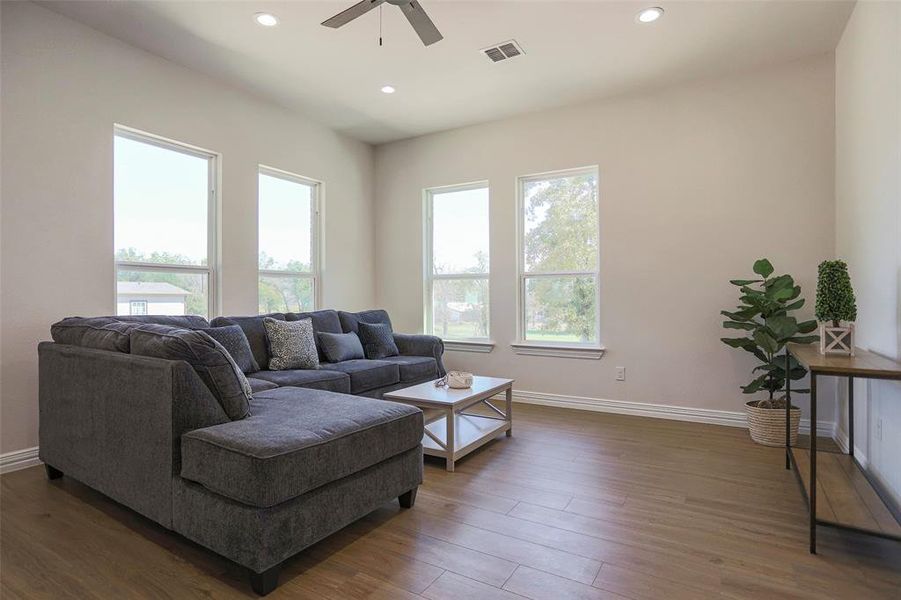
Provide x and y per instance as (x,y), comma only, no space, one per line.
(421,22)
(346,16)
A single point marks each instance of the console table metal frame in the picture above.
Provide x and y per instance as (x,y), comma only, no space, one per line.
(865,365)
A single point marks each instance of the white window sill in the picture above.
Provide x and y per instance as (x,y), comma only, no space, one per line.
(468,346)
(558,351)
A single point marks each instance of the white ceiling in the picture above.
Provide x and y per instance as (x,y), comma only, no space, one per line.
(575,51)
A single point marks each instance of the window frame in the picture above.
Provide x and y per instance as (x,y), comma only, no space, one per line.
(472,344)
(212,267)
(316,203)
(522,345)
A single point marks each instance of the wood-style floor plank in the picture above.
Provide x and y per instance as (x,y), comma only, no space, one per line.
(575,505)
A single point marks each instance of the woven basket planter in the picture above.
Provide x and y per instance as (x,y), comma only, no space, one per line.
(767,425)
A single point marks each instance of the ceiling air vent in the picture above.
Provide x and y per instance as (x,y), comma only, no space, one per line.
(503,51)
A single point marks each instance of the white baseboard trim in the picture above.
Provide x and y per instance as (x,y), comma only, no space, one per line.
(656,411)
(19,459)
(841,438)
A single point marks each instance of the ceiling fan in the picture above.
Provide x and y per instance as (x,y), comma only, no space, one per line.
(414,12)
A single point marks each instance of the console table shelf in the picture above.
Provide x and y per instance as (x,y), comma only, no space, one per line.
(846,497)
(840,493)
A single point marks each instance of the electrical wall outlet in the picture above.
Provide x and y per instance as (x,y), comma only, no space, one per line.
(620,373)
(879,429)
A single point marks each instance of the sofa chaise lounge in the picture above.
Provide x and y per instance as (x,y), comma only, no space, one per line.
(309,459)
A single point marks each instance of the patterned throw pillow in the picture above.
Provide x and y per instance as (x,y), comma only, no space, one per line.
(377,340)
(235,342)
(292,344)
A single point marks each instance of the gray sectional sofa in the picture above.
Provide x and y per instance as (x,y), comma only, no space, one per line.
(154,435)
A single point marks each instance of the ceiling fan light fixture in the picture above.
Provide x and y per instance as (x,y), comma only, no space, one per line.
(266,19)
(649,15)
(388,89)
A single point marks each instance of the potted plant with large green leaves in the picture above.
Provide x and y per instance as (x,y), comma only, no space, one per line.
(764,314)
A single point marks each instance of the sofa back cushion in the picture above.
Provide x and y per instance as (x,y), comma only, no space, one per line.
(324,321)
(209,359)
(235,342)
(256,334)
(180,321)
(100,333)
(292,344)
(350,322)
(337,347)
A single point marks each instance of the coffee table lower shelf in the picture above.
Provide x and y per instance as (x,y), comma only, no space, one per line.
(470,432)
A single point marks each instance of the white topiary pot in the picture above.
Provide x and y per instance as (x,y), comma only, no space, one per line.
(837,340)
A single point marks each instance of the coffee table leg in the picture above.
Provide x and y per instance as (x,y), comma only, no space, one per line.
(510,411)
(451,443)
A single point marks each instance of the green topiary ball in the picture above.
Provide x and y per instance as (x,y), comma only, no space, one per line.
(835,296)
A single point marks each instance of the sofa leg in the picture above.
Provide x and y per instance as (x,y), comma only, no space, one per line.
(408,499)
(265,582)
(52,473)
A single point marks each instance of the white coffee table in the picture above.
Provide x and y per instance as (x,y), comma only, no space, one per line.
(451,432)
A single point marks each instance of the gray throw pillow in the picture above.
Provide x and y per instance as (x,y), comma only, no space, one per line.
(210,360)
(338,347)
(235,342)
(292,344)
(377,340)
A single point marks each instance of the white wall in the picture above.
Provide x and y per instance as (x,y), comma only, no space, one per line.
(868,216)
(696,182)
(63,88)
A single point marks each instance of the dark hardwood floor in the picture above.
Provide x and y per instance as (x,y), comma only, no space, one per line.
(575,505)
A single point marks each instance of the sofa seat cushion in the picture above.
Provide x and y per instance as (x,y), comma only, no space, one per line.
(366,374)
(320,379)
(260,385)
(295,441)
(415,368)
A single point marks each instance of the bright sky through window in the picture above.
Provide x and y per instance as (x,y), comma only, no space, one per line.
(161,200)
(460,243)
(285,224)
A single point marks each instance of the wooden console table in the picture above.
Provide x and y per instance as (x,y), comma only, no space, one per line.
(851,499)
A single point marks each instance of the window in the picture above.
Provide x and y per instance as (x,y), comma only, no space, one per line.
(137,307)
(164,220)
(456,262)
(288,242)
(558,259)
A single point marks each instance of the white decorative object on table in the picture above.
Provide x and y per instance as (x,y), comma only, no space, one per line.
(456,380)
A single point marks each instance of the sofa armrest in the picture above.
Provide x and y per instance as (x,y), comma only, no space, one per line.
(421,345)
(114,421)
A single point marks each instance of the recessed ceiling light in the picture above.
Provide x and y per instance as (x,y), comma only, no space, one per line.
(266,19)
(649,15)
(388,89)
